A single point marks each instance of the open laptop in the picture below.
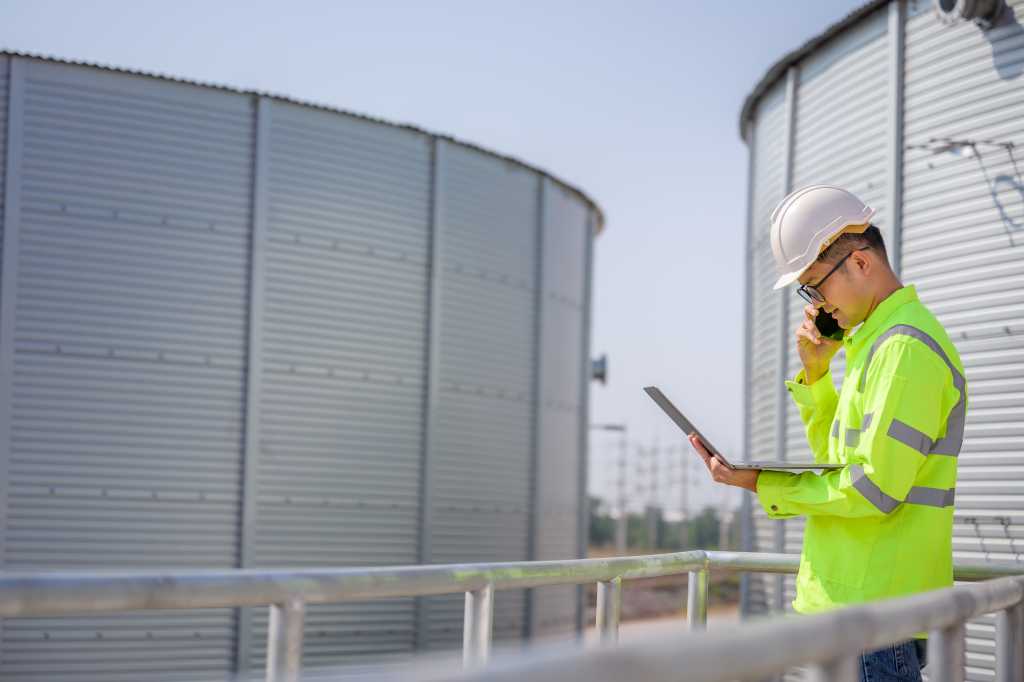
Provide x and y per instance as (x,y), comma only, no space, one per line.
(688,428)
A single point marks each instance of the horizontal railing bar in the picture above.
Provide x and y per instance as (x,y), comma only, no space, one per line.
(64,593)
(48,594)
(712,656)
(976,570)
(768,562)
(753,562)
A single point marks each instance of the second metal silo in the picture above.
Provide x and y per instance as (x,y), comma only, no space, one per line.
(919,114)
(243,331)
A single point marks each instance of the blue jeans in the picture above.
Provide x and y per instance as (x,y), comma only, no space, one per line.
(896,663)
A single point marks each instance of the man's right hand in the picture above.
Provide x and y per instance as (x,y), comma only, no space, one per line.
(815,350)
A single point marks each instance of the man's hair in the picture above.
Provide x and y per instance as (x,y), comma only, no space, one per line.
(849,241)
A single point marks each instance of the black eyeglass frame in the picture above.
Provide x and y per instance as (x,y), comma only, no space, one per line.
(810,292)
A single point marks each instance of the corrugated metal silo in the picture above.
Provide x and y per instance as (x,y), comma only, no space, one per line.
(871,99)
(963,230)
(766,308)
(241,331)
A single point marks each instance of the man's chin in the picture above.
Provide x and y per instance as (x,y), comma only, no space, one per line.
(845,324)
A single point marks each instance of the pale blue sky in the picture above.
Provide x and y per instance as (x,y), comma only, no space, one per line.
(636,103)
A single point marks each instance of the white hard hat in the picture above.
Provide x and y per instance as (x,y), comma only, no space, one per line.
(807,221)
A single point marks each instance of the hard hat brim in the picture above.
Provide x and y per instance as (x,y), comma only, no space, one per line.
(791,277)
(788,279)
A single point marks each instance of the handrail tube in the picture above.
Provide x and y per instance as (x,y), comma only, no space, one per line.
(1010,644)
(949,654)
(48,594)
(697,600)
(284,641)
(833,636)
(840,670)
(63,593)
(976,570)
(754,562)
(609,610)
(477,626)
(816,639)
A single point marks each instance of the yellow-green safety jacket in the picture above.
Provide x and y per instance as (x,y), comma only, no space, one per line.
(882,525)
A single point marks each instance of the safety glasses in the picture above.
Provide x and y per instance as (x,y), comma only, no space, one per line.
(810,292)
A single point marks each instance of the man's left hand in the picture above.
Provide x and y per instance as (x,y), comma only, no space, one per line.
(741,478)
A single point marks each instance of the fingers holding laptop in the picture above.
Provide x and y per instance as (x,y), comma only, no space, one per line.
(721,473)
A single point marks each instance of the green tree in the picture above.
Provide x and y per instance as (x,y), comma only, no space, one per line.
(704,529)
(602,526)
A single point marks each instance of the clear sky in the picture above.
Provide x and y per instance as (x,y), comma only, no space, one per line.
(635,103)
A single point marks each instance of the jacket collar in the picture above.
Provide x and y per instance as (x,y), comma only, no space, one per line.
(882,312)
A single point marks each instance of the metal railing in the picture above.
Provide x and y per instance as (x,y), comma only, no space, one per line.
(827,646)
(827,639)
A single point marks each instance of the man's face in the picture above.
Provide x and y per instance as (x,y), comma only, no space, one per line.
(847,297)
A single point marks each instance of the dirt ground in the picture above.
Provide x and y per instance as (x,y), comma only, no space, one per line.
(722,616)
(665,597)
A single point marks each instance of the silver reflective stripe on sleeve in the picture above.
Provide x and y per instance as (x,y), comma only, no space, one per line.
(871,492)
(931,497)
(951,443)
(853,435)
(835,429)
(928,497)
(909,436)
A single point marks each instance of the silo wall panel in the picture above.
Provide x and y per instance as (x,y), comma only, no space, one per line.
(483,417)
(557,517)
(962,238)
(131,240)
(838,144)
(766,326)
(5,65)
(342,367)
(156,419)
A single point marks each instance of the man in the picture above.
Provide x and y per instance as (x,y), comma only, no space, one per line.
(880,526)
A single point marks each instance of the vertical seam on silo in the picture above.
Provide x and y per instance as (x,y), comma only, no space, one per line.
(9,274)
(583,510)
(535,413)
(430,370)
(897,38)
(8,288)
(780,425)
(254,365)
(746,510)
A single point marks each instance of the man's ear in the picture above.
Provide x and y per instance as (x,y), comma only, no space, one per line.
(862,261)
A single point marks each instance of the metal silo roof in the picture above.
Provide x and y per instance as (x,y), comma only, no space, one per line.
(779,68)
(313,105)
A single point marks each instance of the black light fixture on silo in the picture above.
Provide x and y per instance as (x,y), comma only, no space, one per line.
(984,13)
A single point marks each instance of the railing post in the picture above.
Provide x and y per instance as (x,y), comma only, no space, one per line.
(697,599)
(839,670)
(477,625)
(284,641)
(947,654)
(609,606)
(1010,644)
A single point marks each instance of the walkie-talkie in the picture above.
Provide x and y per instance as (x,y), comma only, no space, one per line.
(828,326)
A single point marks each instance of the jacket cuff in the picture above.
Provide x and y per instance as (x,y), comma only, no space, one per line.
(821,392)
(771,487)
